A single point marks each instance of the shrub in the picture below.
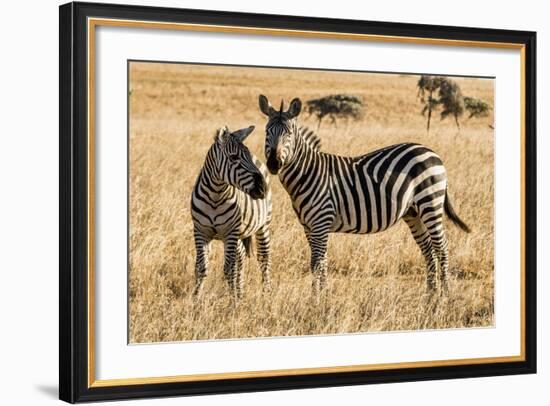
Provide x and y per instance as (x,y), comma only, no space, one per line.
(476,107)
(336,106)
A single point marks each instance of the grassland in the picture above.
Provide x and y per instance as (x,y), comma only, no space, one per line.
(376,282)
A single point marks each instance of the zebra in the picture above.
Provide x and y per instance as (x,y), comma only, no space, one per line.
(363,194)
(231,201)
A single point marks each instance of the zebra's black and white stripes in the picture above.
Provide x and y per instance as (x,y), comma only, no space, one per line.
(363,194)
(231,201)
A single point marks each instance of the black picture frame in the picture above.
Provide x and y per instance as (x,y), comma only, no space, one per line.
(73,284)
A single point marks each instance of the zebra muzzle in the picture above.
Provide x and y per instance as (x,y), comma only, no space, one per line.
(259,189)
(273,164)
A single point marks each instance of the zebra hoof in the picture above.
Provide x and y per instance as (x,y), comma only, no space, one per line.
(197,292)
(444,287)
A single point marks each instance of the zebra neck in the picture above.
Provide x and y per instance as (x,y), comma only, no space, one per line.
(305,158)
(215,188)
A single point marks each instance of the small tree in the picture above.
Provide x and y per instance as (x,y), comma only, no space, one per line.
(336,106)
(428,85)
(451,99)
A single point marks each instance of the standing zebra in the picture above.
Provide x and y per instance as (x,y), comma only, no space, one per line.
(231,201)
(363,194)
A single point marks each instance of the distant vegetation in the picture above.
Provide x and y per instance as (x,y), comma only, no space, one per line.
(450,100)
(476,107)
(427,85)
(336,106)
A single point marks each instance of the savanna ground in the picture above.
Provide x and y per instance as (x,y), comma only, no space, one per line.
(376,282)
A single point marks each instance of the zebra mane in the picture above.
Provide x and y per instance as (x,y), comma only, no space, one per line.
(310,138)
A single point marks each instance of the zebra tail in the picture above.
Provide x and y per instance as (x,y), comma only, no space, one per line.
(248,246)
(452,214)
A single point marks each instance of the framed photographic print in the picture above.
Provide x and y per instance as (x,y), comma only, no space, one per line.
(256,202)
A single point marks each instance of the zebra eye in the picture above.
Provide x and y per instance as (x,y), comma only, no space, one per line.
(234,156)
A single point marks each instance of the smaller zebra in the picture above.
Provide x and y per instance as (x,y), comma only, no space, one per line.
(231,201)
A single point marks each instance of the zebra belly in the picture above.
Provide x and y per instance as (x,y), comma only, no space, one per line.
(340,227)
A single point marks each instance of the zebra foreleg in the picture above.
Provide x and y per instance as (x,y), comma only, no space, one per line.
(318,242)
(201,263)
(229,259)
(422,238)
(264,255)
(238,270)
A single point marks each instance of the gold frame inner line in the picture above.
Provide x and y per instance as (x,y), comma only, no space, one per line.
(94,22)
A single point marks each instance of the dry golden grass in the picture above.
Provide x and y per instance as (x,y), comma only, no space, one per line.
(376,282)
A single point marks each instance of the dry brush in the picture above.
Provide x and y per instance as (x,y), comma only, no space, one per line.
(377,282)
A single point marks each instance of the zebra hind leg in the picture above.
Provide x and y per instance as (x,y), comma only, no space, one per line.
(424,241)
(263,246)
(434,224)
(443,255)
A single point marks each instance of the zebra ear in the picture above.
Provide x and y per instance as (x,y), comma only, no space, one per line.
(243,133)
(266,107)
(221,135)
(295,108)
